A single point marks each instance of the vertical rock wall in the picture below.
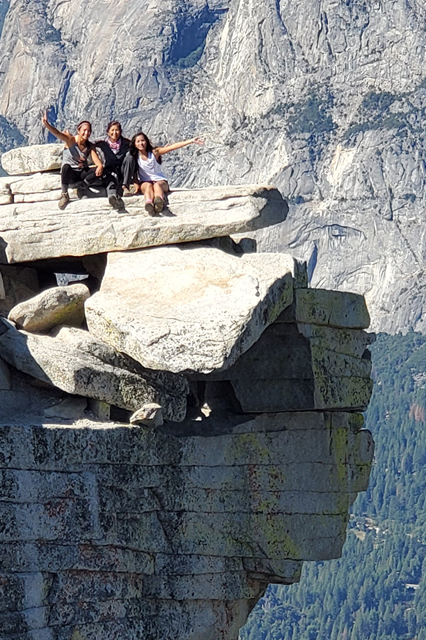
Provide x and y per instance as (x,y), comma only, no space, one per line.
(112,532)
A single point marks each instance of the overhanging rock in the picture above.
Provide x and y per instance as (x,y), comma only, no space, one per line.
(40,230)
(188,309)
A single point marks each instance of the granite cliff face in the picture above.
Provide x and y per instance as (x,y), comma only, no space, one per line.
(324,99)
(177,430)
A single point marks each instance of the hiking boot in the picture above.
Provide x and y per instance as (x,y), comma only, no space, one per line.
(81,192)
(63,201)
(158,204)
(120,205)
(116,202)
(149,206)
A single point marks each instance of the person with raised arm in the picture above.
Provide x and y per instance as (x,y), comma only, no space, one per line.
(75,168)
(144,163)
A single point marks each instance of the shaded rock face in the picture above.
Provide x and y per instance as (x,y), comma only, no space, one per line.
(324,99)
(129,533)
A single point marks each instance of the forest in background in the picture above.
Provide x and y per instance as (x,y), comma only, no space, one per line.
(377,590)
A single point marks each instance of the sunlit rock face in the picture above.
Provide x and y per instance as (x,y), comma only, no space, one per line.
(324,99)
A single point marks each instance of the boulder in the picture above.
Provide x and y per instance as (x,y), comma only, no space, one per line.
(59,305)
(85,342)
(40,157)
(55,361)
(188,309)
(40,230)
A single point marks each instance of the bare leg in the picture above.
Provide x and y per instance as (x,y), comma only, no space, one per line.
(160,190)
(148,191)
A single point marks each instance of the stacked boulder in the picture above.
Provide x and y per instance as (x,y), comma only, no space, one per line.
(222,444)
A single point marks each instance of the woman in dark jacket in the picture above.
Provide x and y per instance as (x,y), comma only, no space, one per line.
(112,151)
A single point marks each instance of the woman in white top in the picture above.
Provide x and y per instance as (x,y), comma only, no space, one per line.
(150,178)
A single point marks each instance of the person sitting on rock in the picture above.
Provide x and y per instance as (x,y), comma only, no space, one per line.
(112,152)
(75,169)
(142,165)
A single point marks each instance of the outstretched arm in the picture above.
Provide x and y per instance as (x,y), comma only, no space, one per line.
(62,135)
(159,151)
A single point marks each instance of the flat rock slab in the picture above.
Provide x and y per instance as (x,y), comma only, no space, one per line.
(39,230)
(63,363)
(188,309)
(39,157)
(36,183)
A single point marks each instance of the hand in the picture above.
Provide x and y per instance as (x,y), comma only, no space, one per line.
(44,119)
(197,141)
(99,170)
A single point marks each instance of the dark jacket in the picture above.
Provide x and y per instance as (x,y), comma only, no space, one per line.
(112,161)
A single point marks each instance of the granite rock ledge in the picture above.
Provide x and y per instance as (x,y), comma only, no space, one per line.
(173,528)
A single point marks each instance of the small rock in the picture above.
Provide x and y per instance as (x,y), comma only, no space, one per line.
(59,305)
(150,415)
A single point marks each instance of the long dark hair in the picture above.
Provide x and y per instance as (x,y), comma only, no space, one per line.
(149,148)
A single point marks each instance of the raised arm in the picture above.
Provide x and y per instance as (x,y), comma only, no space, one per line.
(65,136)
(159,151)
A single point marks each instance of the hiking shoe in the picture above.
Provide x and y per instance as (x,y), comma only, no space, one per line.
(63,201)
(81,192)
(149,206)
(116,202)
(158,204)
(120,205)
(129,191)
